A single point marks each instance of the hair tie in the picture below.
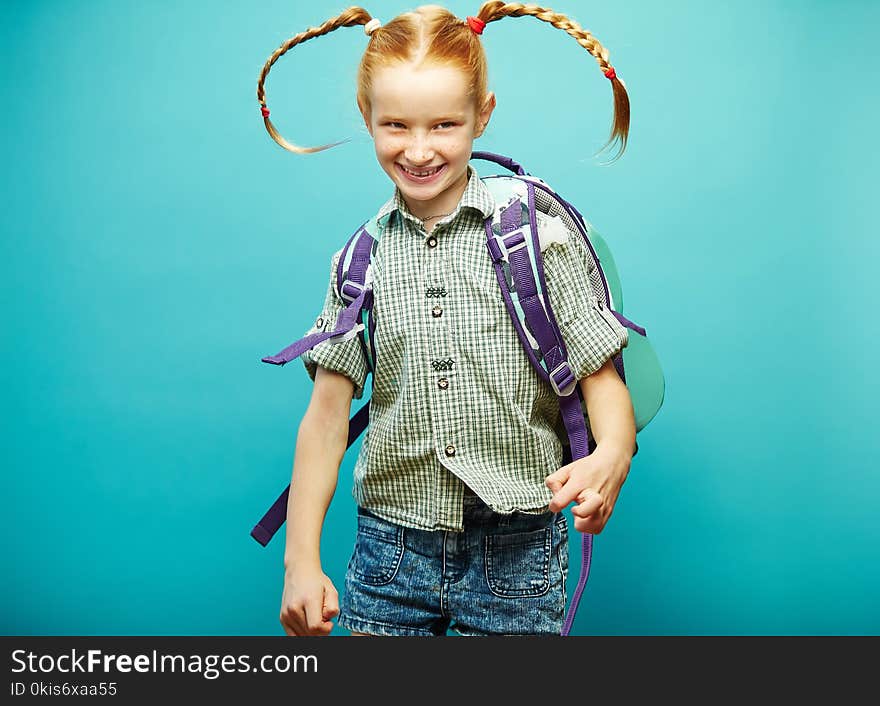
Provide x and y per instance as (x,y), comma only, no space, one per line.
(476,24)
(372,26)
(265,111)
(610,74)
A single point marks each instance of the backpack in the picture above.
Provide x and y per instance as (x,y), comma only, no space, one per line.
(513,244)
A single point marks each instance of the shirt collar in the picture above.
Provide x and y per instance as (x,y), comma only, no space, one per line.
(475,196)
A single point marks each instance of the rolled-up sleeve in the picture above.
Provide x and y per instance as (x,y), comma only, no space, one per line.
(347,357)
(592,334)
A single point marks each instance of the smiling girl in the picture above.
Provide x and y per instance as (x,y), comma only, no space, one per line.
(423,121)
(458,483)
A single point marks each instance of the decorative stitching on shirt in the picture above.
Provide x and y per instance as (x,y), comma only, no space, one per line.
(442,364)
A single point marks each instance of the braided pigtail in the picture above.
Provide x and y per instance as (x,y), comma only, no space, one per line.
(351,16)
(495,10)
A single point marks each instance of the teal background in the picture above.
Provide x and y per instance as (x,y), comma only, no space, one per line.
(156,243)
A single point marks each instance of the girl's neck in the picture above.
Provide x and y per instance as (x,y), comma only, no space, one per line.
(429,223)
(436,210)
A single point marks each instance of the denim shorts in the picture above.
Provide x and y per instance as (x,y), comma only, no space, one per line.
(503,575)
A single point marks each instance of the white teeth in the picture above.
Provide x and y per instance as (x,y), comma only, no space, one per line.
(423,173)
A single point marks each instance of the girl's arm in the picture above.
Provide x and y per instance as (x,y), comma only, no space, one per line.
(310,600)
(320,445)
(610,410)
(594,482)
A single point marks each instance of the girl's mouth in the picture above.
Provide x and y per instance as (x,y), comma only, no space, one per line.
(420,176)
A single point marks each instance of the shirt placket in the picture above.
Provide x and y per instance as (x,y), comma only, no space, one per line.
(441,369)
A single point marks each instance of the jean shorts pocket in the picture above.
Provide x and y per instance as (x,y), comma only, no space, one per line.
(518,565)
(378,550)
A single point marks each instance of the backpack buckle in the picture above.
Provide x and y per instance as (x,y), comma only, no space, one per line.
(346,335)
(502,246)
(562,379)
(351,290)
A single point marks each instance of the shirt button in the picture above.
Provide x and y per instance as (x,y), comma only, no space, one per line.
(443,383)
(432,242)
(437,312)
(450,450)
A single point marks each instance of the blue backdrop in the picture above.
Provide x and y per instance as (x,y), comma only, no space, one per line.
(156,243)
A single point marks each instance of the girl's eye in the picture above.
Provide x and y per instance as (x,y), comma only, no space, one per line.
(445,125)
(395,125)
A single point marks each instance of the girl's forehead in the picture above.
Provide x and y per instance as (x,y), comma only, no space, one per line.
(420,88)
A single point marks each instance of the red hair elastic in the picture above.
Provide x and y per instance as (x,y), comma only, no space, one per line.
(610,74)
(476,24)
(265,111)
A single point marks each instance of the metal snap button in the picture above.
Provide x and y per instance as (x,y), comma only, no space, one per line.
(437,311)
(432,242)
(450,450)
(443,383)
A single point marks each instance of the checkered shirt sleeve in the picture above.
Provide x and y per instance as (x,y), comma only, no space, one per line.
(590,331)
(347,357)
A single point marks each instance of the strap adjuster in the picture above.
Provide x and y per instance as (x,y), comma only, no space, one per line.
(346,335)
(562,379)
(502,246)
(351,290)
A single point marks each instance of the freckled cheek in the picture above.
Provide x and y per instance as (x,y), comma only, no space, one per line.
(444,141)
(453,146)
(389,148)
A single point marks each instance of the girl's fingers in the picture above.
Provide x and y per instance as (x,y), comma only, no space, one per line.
(587,518)
(586,526)
(563,491)
(556,480)
(589,501)
(331,603)
(293,621)
(314,620)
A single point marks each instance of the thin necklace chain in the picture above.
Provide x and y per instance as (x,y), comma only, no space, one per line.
(439,215)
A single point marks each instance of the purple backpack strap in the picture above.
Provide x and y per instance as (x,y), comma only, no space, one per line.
(501,160)
(352,285)
(271,522)
(506,240)
(352,289)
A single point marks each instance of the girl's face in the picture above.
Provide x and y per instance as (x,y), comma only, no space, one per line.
(423,124)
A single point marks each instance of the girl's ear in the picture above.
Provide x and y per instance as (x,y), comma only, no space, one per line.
(485,113)
(365,114)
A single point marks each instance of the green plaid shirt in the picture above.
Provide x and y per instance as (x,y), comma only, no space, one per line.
(455,401)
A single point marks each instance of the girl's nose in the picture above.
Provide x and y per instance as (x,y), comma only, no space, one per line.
(419,151)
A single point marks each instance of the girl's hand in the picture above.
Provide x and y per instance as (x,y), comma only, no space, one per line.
(593,482)
(308,603)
